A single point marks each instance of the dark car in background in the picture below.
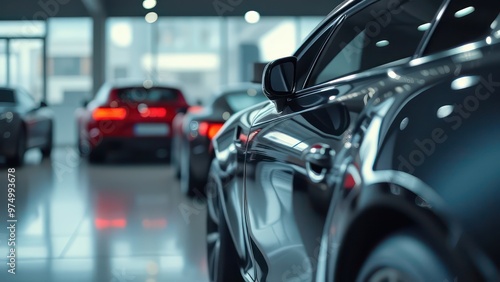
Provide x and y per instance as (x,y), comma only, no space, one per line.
(347,175)
(24,124)
(127,117)
(193,145)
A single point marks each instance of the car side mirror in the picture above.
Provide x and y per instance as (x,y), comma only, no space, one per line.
(279,78)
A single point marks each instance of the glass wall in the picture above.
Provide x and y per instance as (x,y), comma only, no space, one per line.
(69,62)
(3,62)
(69,71)
(199,54)
(21,55)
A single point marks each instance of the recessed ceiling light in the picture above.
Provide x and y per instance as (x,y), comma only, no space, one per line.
(252,17)
(148,83)
(382,43)
(424,27)
(464,12)
(445,111)
(465,82)
(121,34)
(151,17)
(149,4)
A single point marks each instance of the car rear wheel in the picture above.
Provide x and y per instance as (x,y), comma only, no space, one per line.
(18,158)
(406,256)
(47,150)
(222,256)
(188,184)
(96,156)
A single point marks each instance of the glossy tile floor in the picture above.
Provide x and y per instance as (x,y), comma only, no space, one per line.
(120,221)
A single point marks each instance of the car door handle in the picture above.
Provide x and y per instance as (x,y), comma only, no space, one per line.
(318,160)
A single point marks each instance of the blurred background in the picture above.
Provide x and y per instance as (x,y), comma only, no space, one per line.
(127,218)
(198,54)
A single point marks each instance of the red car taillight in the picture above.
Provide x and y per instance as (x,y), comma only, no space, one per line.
(109,114)
(153,112)
(209,129)
(101,223)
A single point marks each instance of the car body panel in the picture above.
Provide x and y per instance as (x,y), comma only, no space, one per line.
(35,120)
(287,239)
(428,154)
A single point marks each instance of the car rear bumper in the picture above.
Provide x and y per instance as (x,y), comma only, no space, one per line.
(134,144)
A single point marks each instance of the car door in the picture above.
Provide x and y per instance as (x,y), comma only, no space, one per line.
(295,140)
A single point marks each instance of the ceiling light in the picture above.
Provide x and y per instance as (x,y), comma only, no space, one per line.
(149,4)
(148,83)
(252,17)
(404,123)
(465,82)
(424,27)
(445,111)
(382,43)
(464,12)
(151,17)
(392,74)
(121,34)
(489,40)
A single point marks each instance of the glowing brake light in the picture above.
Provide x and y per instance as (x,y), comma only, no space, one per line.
(101,223)
(109,114)
(209,129)
(153,112)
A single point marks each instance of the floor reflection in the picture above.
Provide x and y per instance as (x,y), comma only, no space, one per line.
(122,221)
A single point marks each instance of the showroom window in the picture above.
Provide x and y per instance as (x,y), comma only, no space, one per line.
(199,54)
(381,33)
(65,66)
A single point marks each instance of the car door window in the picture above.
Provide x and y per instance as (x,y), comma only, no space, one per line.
(25,99)
(463,22)
(307,55)
(7,96)
(381,33)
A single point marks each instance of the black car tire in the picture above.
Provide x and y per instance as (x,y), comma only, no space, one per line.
(18,158)
(405,256)
(96,156)
(174,157)
(47,150)
(188,184)
(221,254)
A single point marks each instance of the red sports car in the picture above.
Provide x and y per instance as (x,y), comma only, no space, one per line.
(128,117)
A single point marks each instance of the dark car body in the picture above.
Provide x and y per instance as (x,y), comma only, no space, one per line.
(128,117)
(24,124)
(199,126)
(290,190)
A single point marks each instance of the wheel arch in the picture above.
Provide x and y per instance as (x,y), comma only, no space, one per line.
(370,226)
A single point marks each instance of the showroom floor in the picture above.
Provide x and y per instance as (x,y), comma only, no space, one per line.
(120,221)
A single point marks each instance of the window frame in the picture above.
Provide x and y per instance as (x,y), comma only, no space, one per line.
(331,26)
(338,23)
